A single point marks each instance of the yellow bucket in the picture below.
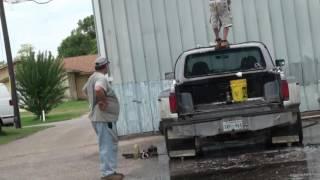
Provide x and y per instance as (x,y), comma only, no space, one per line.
(239,90)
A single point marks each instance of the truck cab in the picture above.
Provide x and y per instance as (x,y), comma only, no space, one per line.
(237,94)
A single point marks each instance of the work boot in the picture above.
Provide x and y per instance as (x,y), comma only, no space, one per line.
(218,43)
(224,44)
(115,176)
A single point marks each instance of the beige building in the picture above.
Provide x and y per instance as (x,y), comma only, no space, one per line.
(4,75)
(79,70)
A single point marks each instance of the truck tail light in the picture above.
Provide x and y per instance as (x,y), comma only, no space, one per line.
(173,102)
(285,90)
(10,103)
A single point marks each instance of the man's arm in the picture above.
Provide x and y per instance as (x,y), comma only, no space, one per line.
(84,89)
(100,94)
(101,97)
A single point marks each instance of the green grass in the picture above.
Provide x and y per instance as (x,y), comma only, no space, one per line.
(10,134)
(65,111)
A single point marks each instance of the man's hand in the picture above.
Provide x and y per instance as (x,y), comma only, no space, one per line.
(101,98)
(103,105)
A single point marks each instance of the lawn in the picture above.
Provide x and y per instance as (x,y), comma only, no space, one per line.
(65,111)
(9,134)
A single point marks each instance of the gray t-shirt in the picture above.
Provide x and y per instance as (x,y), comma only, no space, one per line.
(96,115)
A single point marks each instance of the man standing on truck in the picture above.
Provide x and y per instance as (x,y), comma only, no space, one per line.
(104,112)
(221,18)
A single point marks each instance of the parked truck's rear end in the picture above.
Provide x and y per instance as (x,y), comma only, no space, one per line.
(231,96)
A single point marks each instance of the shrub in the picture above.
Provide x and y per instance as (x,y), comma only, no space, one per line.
(40,82)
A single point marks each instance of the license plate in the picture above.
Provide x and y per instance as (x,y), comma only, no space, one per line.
(233,125)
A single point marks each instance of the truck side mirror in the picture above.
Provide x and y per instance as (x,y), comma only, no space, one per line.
(169,76)
(280,62)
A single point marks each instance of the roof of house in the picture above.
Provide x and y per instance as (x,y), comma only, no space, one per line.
(83,64)
(4,66)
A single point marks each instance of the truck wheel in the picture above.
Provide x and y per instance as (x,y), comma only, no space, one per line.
(290,130)
(198,146)
(299,129)
(179,145)
(163,124)
(268,140)
(166,139)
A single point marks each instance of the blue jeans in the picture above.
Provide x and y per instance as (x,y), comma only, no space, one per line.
(108,147)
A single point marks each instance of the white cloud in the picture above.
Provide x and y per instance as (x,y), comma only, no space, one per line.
(43,26)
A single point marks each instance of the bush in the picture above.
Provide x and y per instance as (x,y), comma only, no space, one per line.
(40,82)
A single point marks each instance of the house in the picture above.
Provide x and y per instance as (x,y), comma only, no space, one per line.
(4,75)
(78,71)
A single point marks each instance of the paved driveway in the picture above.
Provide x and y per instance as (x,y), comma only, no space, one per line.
(69,151)
(66,151)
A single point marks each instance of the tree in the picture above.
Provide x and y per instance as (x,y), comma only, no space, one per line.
(40,81)
(82,40)
(86,26)
(25,50)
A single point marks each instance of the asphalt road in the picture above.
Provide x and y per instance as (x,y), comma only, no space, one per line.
(69,151)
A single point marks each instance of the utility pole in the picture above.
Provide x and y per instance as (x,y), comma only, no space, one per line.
(10,66)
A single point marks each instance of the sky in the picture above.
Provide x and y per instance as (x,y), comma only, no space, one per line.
(43,26)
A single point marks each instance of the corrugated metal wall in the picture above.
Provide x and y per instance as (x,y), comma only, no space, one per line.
(143,38)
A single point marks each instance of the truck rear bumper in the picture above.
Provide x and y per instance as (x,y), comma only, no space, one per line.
(218,127)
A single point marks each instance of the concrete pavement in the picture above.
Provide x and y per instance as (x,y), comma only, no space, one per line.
(69,151)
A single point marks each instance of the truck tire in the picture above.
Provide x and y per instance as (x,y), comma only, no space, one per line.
(163,124)
(290,130)
(299,129)
(178,144)
(167,142)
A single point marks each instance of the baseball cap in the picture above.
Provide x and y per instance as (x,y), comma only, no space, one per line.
(100,61)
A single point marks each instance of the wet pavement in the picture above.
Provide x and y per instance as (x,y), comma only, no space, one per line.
(289,163)
(255,162)
(294,163)
(69,151)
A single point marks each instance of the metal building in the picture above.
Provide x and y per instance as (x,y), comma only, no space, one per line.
(143,38)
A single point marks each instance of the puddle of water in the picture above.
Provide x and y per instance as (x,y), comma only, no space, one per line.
(289,163)
(286,163)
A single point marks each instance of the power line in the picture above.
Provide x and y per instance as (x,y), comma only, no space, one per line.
(20,1)
(41,2)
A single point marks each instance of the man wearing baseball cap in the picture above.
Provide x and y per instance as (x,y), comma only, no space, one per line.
(104,113)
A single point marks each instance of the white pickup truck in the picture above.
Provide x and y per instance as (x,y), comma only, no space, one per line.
(209,109)
(6,108)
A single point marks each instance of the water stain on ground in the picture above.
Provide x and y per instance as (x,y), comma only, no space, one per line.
(284,164)
(293,163)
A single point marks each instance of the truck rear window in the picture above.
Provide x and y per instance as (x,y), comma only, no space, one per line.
(225,61)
